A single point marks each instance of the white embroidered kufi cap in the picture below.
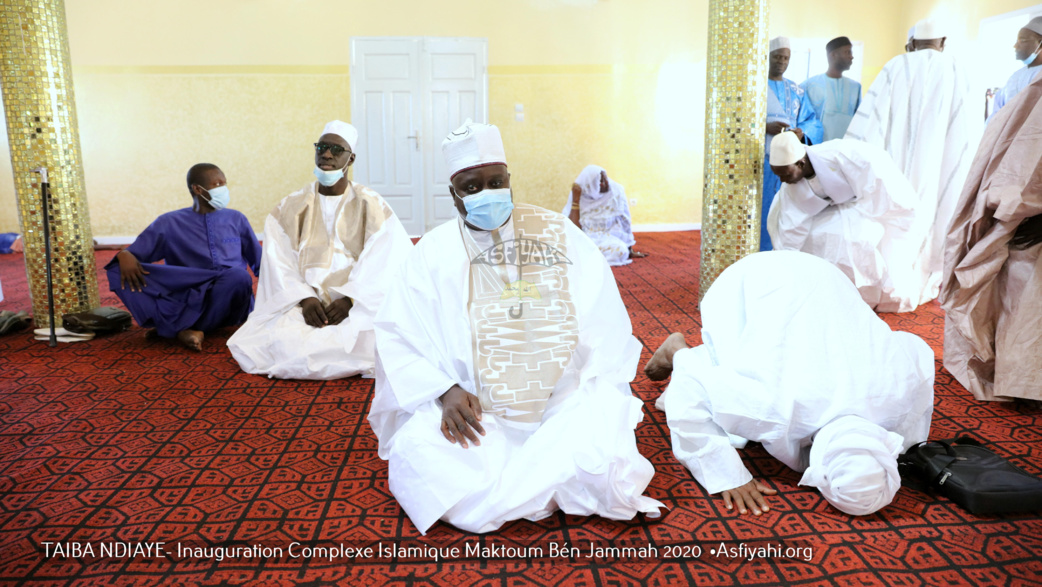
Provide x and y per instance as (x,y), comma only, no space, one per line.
(786,149)
(342,130)
(928,29)
(1035,25)
(780,43)
(473,145)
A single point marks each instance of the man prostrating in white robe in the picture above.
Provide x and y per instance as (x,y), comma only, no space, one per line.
(504,356)
(794,360)
(330,253)
(847,202)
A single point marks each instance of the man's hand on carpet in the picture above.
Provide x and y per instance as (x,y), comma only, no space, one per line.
(338,310)
(460,415)
(749,497)
(314,313)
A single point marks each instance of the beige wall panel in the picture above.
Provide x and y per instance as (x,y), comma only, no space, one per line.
(574,120)
(141,133)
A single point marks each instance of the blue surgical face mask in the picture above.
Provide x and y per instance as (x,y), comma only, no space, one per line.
(1031,58)
(328,178)
(489,209)
(219,197)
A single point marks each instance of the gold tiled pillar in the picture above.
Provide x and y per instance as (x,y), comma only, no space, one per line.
(40,108)
(736,108)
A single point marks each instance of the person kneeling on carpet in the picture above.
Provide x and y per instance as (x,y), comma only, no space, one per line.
(598,206)
(794,359)
(203,284)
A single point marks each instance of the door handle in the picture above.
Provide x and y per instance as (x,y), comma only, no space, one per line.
(415,137)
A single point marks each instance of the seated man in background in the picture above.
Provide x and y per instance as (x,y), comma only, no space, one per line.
(331,251)
(847,202)
(794,360)
(992,288)
(598,206)
(504,356)
(203,284)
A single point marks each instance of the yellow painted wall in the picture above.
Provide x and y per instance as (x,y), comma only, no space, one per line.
(882,28)
(247,84)
(963,16)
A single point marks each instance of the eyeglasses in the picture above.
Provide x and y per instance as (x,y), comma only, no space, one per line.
(335,150)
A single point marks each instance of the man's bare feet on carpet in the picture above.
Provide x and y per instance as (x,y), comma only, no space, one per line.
(637,254)
(151,334)
(661,364)
(192,339)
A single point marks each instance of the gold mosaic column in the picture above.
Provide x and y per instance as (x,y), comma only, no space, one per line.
(36,81)
(736,108)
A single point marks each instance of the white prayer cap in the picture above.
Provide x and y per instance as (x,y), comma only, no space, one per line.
(1035,25)
(473,145)
(928,29)
(786,149)
(911,33)
(780,43)
(342,130)
(853,462)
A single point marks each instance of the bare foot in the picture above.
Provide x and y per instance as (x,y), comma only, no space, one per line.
(151,334)
(661,364)
(637,254)
(192,339)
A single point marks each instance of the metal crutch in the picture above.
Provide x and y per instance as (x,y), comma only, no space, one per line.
(45,188)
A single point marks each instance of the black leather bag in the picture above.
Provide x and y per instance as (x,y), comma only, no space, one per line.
(972,476)
(100,321)
(13,321)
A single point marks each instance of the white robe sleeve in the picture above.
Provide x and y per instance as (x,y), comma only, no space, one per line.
(699,441)
(882,190)
(626,228)
(607,354)
(792,215)
(280,286)
(375,271)
(871,122)
(417,333)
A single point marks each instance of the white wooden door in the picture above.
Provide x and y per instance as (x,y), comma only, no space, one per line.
(406,95)
(385,108)
(456,90)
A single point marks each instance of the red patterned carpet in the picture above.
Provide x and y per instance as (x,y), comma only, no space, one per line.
(125,441)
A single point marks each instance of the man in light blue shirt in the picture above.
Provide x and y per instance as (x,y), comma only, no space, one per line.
(835,98)
(1029,51)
